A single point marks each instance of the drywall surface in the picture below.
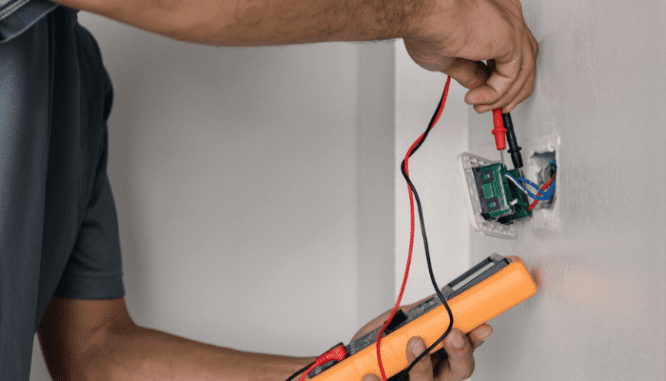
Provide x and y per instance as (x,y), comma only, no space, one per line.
(599,313)
(376,164)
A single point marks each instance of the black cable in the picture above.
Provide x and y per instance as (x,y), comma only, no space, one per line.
(425,244)
(514,148)
(303,369)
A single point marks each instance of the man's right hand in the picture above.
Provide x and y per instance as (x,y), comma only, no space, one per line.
(456,35)
(458,364)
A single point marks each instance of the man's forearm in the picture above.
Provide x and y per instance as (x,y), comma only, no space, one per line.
(266,22)
(137,353)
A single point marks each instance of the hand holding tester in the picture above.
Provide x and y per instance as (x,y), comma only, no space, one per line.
(487,290)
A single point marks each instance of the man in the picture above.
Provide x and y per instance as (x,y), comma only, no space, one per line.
(60,267)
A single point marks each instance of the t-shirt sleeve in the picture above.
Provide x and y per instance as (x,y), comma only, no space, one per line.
(94,269)
(18,15)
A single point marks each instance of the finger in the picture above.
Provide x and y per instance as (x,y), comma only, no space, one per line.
(514,94)
(506,72)
(470,74)
(422,370)
(438,358)
(527,87)
(523,87)
(370,377)
(535,44)
(461,360)
(526,72)
(525,92)
(479,334)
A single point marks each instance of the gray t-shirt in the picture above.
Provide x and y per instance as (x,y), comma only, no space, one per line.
(58,224)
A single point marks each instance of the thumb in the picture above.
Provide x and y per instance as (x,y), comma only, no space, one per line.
(370,377)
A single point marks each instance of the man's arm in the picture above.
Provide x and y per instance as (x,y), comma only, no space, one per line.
(451,36)
(97,340)
(263,22)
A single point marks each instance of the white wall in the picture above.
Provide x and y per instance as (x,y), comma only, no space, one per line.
(376,162)
(599,313)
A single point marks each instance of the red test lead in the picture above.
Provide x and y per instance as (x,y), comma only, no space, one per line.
(337,353)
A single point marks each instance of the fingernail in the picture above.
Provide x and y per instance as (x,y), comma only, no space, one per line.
(486,333)
(369,378)
(417,347)
(457,339)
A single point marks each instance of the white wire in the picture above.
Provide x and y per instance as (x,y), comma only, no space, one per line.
(516,182)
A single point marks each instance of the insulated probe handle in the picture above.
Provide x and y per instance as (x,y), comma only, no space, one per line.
(499,131)
(514,148)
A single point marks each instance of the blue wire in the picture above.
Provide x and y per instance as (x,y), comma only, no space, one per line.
(546,194)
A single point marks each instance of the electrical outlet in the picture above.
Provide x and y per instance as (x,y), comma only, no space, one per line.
(538,167)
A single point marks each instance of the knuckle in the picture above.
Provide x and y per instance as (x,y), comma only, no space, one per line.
(477,79)
(530,65)
(463,374)
(468,371)
(422,368)
(529,92)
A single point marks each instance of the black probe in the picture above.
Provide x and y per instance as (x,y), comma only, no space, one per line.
(514,148)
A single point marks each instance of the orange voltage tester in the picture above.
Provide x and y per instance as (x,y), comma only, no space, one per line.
(485,291)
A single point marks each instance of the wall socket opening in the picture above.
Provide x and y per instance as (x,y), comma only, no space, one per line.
(545,170)
(540,152)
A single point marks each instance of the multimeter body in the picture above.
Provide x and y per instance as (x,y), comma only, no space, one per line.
(487,290)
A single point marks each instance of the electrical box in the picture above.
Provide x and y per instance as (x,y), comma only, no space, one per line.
(494,201)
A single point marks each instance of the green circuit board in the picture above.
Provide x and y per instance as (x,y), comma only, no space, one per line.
(501,200)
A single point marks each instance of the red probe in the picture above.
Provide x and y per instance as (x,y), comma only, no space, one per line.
(500,132)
